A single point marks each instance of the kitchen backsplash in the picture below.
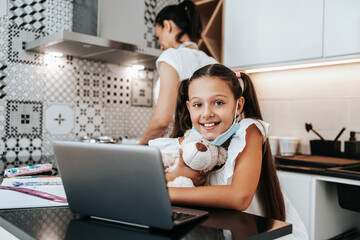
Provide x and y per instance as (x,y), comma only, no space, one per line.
(328,97)
(45,98)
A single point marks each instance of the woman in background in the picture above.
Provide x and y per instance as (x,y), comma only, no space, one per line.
(178,28)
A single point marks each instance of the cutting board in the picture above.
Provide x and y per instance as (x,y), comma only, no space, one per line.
(315,161)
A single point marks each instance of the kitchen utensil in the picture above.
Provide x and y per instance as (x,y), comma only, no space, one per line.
(308,127)
(325,147)
(337,137)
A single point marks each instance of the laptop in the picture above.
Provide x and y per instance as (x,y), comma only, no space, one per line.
(121,183)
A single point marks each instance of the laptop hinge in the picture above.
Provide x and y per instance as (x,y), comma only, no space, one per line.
(116,221)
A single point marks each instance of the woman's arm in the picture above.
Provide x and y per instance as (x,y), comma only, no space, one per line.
(240,193)
(159,122)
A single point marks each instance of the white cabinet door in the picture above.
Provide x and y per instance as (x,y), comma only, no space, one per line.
(262,32)
(341,27)
(299,189)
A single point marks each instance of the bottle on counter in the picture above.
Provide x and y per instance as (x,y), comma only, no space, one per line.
(352,146)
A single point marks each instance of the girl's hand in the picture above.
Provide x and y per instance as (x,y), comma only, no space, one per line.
(198,178)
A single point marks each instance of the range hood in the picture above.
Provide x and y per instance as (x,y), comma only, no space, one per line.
(94,48)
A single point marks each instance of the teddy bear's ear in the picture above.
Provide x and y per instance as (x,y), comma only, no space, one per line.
(201,147)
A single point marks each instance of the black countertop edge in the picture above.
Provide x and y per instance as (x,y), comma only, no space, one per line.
(318,171)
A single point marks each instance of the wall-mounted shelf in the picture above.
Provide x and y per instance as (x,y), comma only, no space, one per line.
(211,13)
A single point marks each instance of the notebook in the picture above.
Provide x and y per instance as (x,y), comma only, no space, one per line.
(122,183)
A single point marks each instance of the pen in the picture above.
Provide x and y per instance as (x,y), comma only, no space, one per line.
(18,184)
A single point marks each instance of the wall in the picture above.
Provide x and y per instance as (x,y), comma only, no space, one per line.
(328,97)
(44,98)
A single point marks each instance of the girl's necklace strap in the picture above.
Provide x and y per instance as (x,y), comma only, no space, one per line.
(185,44)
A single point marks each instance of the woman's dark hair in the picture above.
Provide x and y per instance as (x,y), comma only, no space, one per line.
(186,16)
(269,190)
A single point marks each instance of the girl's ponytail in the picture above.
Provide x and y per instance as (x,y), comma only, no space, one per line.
(251,107)
(269,190)
(182,120)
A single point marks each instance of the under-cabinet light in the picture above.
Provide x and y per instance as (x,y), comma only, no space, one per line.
(55,54)
(138,67)
(305,65)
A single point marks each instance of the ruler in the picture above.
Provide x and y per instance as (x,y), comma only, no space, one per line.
(36,193)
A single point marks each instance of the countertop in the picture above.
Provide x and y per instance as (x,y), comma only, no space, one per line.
(319,165)
(61,223)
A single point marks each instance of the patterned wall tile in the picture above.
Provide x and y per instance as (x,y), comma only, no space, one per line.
(59,119)
(58,15)
(28,14)
(3,8)
(22,151)
(89,120)
(4,29)
(59,125)
(102,99)
(117,89)
(141,91)
(137,120)
(59,81)
(18,35)
(2,148)
(152,7)
(2,79)
(115,120)
(2,118)
(25,81)
(24,118)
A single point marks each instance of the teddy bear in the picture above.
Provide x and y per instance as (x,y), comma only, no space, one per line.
(198,153)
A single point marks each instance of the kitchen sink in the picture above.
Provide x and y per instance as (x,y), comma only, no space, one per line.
(348,195)
(353,170)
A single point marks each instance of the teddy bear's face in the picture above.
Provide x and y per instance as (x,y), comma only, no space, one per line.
(197,156)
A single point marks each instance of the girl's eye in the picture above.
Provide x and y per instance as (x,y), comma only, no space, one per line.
(219,103)
(196,105)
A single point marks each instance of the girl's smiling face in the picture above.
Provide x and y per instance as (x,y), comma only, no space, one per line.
(212,106)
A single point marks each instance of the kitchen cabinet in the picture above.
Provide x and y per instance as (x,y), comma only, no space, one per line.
(341,27)
(298,188)
(315,199)
(261,32)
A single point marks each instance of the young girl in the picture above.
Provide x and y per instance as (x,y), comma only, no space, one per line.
(178,28)
(210,103)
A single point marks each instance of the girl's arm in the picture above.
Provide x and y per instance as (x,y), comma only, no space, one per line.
(240,193)
(159,122)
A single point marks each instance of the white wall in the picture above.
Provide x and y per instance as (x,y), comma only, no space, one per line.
(328,97)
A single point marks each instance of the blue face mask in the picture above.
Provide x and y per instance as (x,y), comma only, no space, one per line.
(219,140)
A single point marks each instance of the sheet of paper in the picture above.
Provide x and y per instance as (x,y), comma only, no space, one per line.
(6,235)
(12,199)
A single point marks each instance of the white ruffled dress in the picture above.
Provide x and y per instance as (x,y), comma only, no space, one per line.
(223,176)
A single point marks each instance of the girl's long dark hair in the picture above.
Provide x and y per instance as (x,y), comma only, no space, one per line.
(186,16)
(269,190)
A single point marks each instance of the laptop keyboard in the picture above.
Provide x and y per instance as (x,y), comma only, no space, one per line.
(178,216)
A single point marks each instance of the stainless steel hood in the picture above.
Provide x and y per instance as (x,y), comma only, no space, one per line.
(94,48)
